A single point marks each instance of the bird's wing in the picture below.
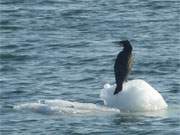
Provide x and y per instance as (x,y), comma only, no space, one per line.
(130,63)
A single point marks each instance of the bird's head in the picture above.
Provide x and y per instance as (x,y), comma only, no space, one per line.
(125,44)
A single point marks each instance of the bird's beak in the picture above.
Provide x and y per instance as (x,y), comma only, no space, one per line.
(119,43)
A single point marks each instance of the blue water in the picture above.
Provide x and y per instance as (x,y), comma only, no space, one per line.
(62,49)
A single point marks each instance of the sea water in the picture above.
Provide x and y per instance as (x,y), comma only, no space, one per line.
(56,56)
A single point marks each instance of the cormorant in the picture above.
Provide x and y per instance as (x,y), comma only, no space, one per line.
(122,65)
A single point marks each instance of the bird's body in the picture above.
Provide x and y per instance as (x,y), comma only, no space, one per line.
(123,65)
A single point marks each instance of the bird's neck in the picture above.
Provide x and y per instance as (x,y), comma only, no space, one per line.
(127,50)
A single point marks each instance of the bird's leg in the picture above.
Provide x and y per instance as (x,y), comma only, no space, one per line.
(126,80)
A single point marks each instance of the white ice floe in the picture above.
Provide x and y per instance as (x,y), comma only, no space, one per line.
(66,107)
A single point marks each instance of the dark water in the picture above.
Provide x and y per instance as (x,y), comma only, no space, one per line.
(62,49)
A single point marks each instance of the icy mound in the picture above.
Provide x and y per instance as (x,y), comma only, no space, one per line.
(137,95)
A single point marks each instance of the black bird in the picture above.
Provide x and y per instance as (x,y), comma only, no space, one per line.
(122,65)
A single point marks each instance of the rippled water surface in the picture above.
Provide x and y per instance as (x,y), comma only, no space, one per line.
(62,49)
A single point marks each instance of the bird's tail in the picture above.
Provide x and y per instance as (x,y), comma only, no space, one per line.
(118,89)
